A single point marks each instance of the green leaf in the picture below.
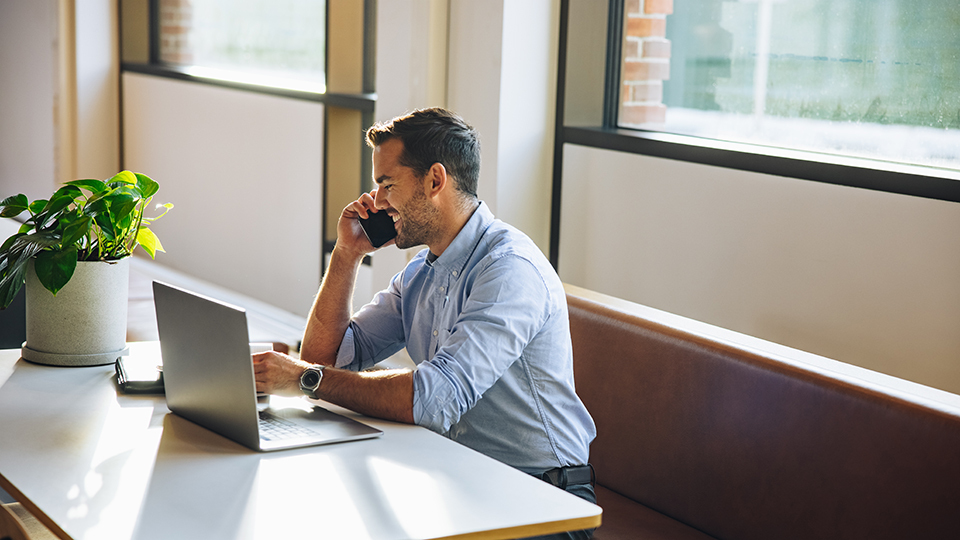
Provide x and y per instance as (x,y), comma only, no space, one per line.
(106,226)
(60,201)
(27,245)
(62,198)
(97,198)
(8,243)
(37,206)
(148,186)
(10,284)
(125,177)
(121,205)
(13,206)
(55,268)
(149,241)
(74,228)
(95,206)
(90,184)
(15,253)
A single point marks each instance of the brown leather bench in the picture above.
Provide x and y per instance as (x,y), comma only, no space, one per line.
(707,433)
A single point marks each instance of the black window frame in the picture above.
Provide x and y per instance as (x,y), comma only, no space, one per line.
(930,183)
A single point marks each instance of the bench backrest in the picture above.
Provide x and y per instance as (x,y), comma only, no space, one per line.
(743,444)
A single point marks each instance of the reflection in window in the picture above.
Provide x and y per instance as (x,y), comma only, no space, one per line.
(867,78)
(271,42)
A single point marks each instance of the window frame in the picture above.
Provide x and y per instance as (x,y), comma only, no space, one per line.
(364,101)
(901,179)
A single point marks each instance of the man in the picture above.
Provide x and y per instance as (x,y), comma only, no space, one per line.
(481,312)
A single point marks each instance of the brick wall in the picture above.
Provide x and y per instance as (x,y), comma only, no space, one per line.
(175,22)
(646,61)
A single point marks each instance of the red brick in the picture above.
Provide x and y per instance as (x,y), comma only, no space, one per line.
(631,48)
(663,7)
(631,6)
(643,114)
(174,29)
(645,70)
(646,27)
(650,91)
(656,48)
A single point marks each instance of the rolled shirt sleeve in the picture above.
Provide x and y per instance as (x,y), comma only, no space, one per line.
(505,309)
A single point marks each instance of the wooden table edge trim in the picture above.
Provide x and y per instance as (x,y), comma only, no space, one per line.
(524,531)
(33,509)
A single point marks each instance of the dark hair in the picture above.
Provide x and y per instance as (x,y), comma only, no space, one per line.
(434,136)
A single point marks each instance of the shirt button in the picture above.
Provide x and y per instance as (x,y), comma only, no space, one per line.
(454,273)
(441,289)
(435,332)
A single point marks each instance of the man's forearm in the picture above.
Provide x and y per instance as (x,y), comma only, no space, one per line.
(384,394)
(331,310)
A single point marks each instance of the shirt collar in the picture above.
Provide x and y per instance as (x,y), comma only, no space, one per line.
(455,257)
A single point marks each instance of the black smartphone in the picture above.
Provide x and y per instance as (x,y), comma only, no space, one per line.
(378,227)
(139,377)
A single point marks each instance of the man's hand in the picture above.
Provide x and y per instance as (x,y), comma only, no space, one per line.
(278,373)
(350,234)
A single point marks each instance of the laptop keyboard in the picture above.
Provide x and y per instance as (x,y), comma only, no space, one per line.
(275,428)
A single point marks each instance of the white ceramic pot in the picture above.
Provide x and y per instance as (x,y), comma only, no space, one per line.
(85,324)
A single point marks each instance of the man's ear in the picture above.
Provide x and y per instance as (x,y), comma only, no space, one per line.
(438,179)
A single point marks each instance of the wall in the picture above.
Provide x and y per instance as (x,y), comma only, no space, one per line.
(244,172)
(528,83)
(859,276)
(494,63)
(97,139)
(59,112)
(28,74)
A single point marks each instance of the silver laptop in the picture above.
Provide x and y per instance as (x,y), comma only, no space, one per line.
(208,378)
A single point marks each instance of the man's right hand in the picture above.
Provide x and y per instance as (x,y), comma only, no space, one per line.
(350,235)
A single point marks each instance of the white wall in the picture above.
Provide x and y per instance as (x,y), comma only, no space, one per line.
(28,70)
(244,171)
(859,276)
(97,52)
(527,111)
(59,97)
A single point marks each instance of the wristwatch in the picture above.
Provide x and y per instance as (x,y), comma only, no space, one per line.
(310,381)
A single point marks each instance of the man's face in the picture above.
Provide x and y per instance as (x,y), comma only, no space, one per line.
(402,194)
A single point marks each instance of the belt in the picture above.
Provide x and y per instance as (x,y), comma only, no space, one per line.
(562,477)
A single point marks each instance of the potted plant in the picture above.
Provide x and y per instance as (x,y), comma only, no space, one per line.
(72,252)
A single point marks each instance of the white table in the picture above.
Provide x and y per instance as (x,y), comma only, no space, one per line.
(93,463)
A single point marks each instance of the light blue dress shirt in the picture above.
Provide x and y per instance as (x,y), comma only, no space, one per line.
(487,325)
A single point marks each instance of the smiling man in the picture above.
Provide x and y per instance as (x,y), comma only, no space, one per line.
(481,312)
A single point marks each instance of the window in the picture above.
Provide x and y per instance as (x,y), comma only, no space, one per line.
(876,79)
(276,43)
(315,50)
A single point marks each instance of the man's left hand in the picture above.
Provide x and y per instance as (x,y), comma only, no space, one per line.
(278,373)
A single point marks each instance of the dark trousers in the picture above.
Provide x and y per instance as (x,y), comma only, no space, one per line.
(585,492)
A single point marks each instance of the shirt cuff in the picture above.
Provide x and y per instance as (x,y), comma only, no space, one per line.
(432,394)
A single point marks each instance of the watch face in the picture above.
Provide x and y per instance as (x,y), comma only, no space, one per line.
(310,379)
